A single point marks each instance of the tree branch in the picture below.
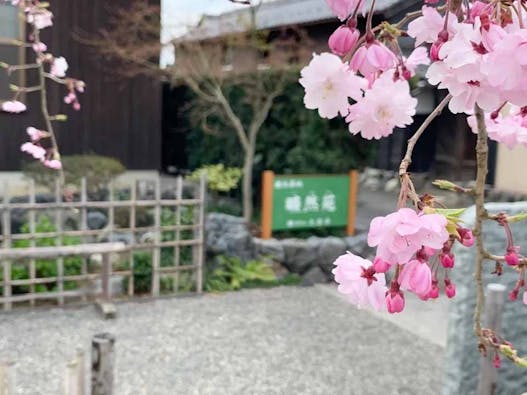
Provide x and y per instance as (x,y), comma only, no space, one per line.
(482,151)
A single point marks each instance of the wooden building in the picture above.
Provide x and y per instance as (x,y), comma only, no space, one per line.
(120,118)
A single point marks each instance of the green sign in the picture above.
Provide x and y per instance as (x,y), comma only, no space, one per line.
(301,202)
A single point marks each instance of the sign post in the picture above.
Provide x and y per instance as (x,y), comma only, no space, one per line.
(308,201)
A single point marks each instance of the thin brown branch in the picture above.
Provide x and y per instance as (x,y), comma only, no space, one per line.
(482,151)
(407,160)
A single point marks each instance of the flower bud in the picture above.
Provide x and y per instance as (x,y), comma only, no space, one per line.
(447,260)
(524,299)
(381,266)
(512,258)
(496,361)
(394,301)
(450,289)
(467,237)
(513,295)
(343,40)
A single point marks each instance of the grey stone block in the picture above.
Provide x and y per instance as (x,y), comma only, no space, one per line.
(272,248)
(328,249)
(315,275)
(462,359)
(300,255)
(228,235)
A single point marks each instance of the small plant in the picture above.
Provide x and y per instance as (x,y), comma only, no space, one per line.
(219,177)
(231,274)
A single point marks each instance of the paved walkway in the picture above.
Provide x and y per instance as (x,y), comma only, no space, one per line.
(280,341)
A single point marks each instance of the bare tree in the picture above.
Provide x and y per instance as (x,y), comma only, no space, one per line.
(258,62)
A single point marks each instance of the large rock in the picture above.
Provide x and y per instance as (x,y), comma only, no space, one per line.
(271,248)
(327,250)
(228,235)
(462,359)
(96,220)
(300,255)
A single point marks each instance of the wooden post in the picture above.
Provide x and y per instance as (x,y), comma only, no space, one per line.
(352,205)
(177,234)
(102,364)
(6,229)
(58,240)
(133,198)
(84,227)
(74,379)
(32,242)
(7,379)
(267,204)
(156,254)
(199,234)
(494,302)
(105,304)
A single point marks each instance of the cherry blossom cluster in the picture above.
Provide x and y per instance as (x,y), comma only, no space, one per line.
(418,245)
(49,67)
(476,50)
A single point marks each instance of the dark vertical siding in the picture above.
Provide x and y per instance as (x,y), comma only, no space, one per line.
(119,118)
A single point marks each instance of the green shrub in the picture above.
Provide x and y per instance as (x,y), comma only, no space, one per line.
(219,177)
(231,274)
(98,170)
(45,267)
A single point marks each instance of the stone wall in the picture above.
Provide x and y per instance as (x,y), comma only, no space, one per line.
(311,258)
(462,357)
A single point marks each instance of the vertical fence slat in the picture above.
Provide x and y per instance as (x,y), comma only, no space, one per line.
(32,242)
(6,230)
(177,234)
(133,199)
(58,241)
(199,233)
(156,254)
(84,227)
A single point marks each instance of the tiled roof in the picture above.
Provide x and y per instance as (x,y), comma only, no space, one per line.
(274,14)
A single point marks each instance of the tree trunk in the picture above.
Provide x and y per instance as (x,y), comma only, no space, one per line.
(247,184)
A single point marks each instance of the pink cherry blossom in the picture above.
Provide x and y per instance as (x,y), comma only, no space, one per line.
(416,276)
(385,106)
(372,58)
(396,236)
(343,8)
(54,164)
(329,84)
(506,67)
(13,106)
(343,40)
(419,56)
(509,126)
(400,235)
(40,47)
(35,134)
(524,298)
(34,150)
(59,67)
(359,282)
(40,18)
(426,28)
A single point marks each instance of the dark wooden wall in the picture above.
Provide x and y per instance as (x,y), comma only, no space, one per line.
(120,118)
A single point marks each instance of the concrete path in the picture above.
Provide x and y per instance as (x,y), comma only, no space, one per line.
(280,341)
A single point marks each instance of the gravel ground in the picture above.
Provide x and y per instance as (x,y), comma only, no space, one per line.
(280,341)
